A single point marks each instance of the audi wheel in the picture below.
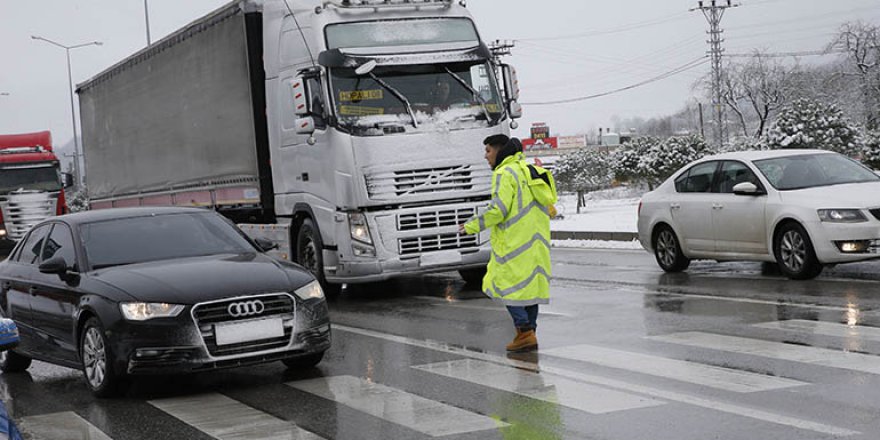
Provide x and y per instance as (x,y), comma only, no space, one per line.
(97,361)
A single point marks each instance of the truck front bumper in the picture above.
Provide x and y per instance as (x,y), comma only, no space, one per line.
(432,262)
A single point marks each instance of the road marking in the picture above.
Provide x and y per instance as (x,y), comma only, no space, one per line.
(60,426)
(396,406)
(707,375)
(826,329)
(610,383)
(541,310)
(224,418)
(548,388)
(776,350)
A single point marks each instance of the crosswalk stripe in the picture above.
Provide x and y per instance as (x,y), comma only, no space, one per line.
(686,398)
(541,310)
(227,419)
(707,375)
(553,389)
(397,406)
(777,350)
(825,328)
(60,426)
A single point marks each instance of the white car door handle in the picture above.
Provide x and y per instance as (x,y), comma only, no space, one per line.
(717,206)
(674,206)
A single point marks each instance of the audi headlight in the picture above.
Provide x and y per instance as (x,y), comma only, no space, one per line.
(842,215)
(137,311)
(310,291)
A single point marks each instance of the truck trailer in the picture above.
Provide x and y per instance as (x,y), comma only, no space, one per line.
(31,185)
(348,132)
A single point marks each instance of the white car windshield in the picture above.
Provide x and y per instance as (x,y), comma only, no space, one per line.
(813,170)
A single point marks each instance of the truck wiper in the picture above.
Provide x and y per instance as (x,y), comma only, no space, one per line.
(474,91)
(399,96)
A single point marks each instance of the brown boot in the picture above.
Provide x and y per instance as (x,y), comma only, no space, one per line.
(525,340)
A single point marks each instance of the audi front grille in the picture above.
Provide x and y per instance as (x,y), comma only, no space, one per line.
(241,310)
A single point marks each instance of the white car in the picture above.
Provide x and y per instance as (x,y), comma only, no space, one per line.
(800,208)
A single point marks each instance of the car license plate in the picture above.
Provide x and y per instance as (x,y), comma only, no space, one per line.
(238,332)
(440,258)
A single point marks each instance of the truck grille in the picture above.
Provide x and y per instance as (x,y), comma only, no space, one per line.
(21,211)
(208,314)
(876,213)
(434,219)
(428,180)
(430,243)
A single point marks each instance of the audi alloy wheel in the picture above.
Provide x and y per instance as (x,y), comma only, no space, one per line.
(97,364)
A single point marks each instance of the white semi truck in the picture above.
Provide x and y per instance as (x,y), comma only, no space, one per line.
(349,132)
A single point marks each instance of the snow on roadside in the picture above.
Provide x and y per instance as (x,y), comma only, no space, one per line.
(611,210)
(597,244)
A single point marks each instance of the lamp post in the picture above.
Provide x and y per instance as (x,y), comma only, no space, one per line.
(147,18)
(67,49)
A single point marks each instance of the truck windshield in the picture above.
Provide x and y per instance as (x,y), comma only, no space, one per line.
(36,178)
(440,96)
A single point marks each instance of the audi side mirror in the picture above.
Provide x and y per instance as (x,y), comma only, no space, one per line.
(66,180)
(54,265)
(265,244)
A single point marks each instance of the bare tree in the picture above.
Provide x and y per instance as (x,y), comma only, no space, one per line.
(861,43)
(756,89)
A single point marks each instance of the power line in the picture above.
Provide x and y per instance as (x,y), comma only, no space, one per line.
(616,30)
(691,65)
(786,54)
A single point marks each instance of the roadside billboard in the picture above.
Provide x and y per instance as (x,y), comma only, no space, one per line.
(540,144)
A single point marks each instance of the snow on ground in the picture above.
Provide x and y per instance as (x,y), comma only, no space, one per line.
(597,244)
(611,210)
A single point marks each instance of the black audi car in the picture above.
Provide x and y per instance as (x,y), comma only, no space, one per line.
(132,291)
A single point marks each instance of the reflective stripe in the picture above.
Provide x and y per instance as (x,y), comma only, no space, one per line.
(497,202)
(482,223)
(522,284)
(522,249)
(519,195)
(497,185)
(522,213)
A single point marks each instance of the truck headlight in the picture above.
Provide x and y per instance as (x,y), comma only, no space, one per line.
(138,311)
(842,215)
(310,291)
(360,231)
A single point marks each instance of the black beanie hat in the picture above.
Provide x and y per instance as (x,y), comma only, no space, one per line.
(512,147)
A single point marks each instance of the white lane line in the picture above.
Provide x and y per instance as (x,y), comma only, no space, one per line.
(692,372)
(825,328)
(60,426)
(396,406)
(776,350)
(549,388)
(224,418)
(541,310)
(611,383)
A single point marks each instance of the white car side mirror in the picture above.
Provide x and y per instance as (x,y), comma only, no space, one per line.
(746,189)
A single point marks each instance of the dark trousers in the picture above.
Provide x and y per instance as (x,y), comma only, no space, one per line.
(524,318)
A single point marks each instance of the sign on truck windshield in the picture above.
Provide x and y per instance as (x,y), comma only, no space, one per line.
(385,33)
(41,178)
(435,93)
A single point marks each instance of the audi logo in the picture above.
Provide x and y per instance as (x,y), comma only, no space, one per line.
(245,308)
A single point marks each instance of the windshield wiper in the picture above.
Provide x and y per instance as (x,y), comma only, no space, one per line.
(474,91)
(399,96)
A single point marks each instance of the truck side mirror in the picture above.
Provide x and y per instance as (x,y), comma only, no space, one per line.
(300,98)
(515,110)
(66,180)
(511,83)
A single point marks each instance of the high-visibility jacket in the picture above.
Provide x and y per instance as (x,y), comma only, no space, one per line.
(519,217)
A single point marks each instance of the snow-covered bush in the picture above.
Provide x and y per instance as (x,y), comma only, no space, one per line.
(652,160)
(810,124)
(871,149)
(79,201)
(626,160)
(745,144)
(583,171)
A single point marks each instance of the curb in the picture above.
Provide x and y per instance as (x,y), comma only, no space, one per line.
(603,236)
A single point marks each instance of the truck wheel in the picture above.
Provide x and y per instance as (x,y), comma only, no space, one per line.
(97,361)
(795,254)
(12,362)
(473,277)
(309,256)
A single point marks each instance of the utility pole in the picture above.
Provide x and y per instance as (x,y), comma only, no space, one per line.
(714,10)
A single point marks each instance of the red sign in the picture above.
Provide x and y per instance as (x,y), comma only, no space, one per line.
(540,144)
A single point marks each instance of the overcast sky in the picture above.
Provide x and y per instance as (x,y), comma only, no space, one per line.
(565,49)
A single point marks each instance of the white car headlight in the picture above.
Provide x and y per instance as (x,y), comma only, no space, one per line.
(842,215)
(310,291)
(137,311)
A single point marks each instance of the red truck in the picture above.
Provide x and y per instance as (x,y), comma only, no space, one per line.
(31,184)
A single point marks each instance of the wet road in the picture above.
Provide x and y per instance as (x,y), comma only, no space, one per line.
(627,352)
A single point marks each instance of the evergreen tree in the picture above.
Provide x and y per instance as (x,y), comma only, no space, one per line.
(810,124)
(583,171)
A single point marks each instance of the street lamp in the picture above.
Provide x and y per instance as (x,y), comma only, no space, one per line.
(147,17)
(72,107)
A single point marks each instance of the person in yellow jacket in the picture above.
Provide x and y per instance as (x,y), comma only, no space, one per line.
(518,273)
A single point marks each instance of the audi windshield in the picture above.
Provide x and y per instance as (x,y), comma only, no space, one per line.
(160,237)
